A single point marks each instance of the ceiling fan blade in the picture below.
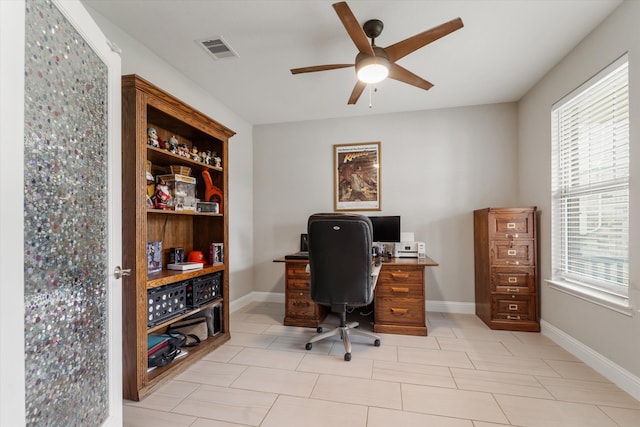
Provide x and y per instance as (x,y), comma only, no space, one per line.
(405,47)
(319,68)
(403,75)
(357,91)
(353,28)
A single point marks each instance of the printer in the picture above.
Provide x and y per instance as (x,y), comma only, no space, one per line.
(410,250)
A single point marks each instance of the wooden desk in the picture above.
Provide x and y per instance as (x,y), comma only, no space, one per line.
(399,302)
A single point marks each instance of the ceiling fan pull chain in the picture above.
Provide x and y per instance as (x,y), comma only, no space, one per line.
(370,104)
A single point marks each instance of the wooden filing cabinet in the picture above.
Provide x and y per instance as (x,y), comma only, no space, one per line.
(300,310)
(506,282)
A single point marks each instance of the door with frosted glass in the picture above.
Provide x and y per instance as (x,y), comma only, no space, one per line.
(71,219)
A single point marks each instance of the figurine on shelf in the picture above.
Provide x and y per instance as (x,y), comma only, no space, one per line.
(153,137)
(162,196)
(173,144)
(150,181)
(183,150)
(217,161)
(206,157)
(194,154)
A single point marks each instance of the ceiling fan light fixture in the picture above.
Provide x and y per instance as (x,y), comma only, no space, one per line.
(372,69)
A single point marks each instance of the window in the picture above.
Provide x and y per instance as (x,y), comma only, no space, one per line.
(590,186)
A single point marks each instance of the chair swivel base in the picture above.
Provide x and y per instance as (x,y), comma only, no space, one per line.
(344,332)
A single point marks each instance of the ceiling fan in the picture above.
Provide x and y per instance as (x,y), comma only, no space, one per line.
(373,63)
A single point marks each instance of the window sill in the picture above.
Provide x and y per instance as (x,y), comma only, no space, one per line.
(616,303)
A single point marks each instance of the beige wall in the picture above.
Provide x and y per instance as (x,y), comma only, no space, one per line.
(611,334)
(437,167)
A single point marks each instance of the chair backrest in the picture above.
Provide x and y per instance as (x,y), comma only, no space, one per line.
(340,259)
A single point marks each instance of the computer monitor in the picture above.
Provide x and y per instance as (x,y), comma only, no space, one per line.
(386,229)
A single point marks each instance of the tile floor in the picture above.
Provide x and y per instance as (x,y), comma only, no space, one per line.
(461,375)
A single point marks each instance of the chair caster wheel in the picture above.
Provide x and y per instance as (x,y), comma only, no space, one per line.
(308,346)
(376,343)
(319,329)
(347,357)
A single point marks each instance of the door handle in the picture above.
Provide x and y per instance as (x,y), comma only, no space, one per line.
(118,272)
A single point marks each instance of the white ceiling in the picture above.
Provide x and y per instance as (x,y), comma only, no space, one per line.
(505,47)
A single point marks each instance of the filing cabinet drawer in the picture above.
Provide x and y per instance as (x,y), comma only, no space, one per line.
(512,252)
(512,225)
(514,307)
(513,280)
(400,311)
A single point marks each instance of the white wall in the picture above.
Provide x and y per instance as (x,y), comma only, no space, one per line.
(437,167)
(611,334)
(137,59)
(12,378)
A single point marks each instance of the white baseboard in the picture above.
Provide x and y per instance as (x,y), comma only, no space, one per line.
(278,297)
(605,367)
(255,296)
(451,307)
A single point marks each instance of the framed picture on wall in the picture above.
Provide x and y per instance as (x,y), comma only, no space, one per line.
(357,177)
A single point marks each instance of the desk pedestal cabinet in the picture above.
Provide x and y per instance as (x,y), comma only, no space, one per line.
(506,268)
(300,310)
(399,302)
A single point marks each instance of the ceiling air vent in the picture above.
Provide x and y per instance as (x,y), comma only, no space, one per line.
(217,47)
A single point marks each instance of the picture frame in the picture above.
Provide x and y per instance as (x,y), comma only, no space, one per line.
(357,177)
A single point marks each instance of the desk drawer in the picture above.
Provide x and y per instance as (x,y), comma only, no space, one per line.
(398,289)
(400,275)
(294,285)
(514,307)
(399,311)
(299,304)
(297,269)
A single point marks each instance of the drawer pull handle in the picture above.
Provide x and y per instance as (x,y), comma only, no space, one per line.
(512,252)
(511,236)
(513,290)
(400,290)
(511,225)
(513,317)
(399,310)
(400,275)
(513,307)
(513,280)
(513,262)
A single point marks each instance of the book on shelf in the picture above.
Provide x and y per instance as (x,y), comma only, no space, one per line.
(185,266)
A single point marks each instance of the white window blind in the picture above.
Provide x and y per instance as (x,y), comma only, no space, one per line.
(590,183)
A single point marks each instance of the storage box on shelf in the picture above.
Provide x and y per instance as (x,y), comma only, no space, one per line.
(146,106)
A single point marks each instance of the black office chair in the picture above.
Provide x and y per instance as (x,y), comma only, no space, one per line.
(340,261)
